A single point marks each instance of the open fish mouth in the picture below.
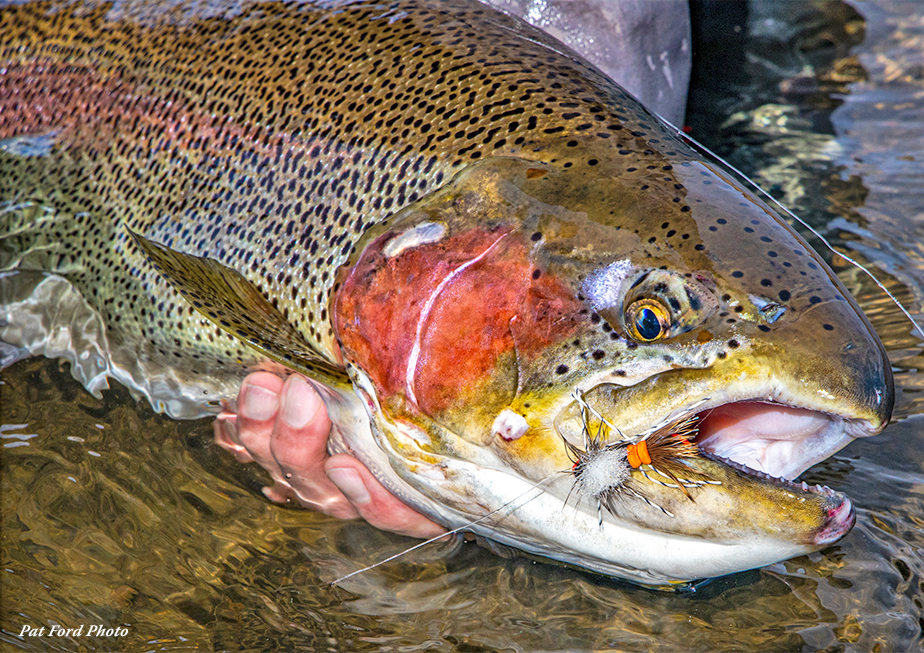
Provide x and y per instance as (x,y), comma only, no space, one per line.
(778,440)
(767,429)
(736,486)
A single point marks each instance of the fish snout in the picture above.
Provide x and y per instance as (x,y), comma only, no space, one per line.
(838,361)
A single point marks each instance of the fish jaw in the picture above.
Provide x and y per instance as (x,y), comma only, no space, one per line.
(477,489)
(539,523)
(752,421)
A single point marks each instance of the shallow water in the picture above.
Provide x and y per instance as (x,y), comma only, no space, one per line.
(114,515)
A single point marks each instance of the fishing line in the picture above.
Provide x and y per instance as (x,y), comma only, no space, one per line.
(452,532)
(697,144)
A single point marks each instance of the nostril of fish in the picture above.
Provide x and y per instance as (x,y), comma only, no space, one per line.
(771,311)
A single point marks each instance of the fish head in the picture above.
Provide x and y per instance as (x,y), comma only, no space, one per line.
(530,317)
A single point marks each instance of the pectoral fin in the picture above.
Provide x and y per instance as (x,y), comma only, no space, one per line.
(229,300)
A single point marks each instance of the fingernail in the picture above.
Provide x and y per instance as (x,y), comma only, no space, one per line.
(351,484)
(300,403)
(259,403)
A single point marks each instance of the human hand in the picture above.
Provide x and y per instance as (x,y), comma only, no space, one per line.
(283,426)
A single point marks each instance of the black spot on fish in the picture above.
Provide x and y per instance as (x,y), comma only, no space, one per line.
(695,304)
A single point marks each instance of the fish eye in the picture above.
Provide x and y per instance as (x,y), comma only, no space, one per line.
(648,320)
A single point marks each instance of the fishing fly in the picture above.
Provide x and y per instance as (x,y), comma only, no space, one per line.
(604,469)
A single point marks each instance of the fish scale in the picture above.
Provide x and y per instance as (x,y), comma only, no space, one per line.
(270,143)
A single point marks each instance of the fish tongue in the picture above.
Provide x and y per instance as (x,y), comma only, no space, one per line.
(765,437)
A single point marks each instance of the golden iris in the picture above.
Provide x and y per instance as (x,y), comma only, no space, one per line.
(648,320)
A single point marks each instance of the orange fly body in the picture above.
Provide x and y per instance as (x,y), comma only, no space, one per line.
(637,454)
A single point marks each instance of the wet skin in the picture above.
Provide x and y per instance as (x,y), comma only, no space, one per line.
(283,426)
(449,289)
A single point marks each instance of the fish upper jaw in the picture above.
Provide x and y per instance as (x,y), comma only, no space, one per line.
(777,399)
(765,422)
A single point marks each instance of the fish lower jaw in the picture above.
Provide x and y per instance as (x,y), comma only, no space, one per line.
(773,439)
(541,523)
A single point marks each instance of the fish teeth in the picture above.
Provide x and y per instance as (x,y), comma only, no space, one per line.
(779,480)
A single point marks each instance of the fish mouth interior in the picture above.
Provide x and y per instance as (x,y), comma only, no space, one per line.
(776,439)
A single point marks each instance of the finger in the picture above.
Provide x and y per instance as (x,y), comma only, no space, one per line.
(300,434)
(257,400)
(299,447)
(374,503)
(258,404)
(225,429)
(279,492)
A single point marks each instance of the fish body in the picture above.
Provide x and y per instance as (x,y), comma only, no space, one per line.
(484,252)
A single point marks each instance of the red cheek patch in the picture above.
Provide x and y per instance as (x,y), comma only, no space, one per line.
(433,321)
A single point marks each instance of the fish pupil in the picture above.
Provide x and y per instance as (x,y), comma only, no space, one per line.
(647,324)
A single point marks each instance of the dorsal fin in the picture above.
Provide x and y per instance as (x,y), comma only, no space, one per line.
(236,306)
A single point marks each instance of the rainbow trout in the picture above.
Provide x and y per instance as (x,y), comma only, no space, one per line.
(524,299)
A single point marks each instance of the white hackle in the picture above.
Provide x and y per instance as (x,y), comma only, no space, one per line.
(605,471)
